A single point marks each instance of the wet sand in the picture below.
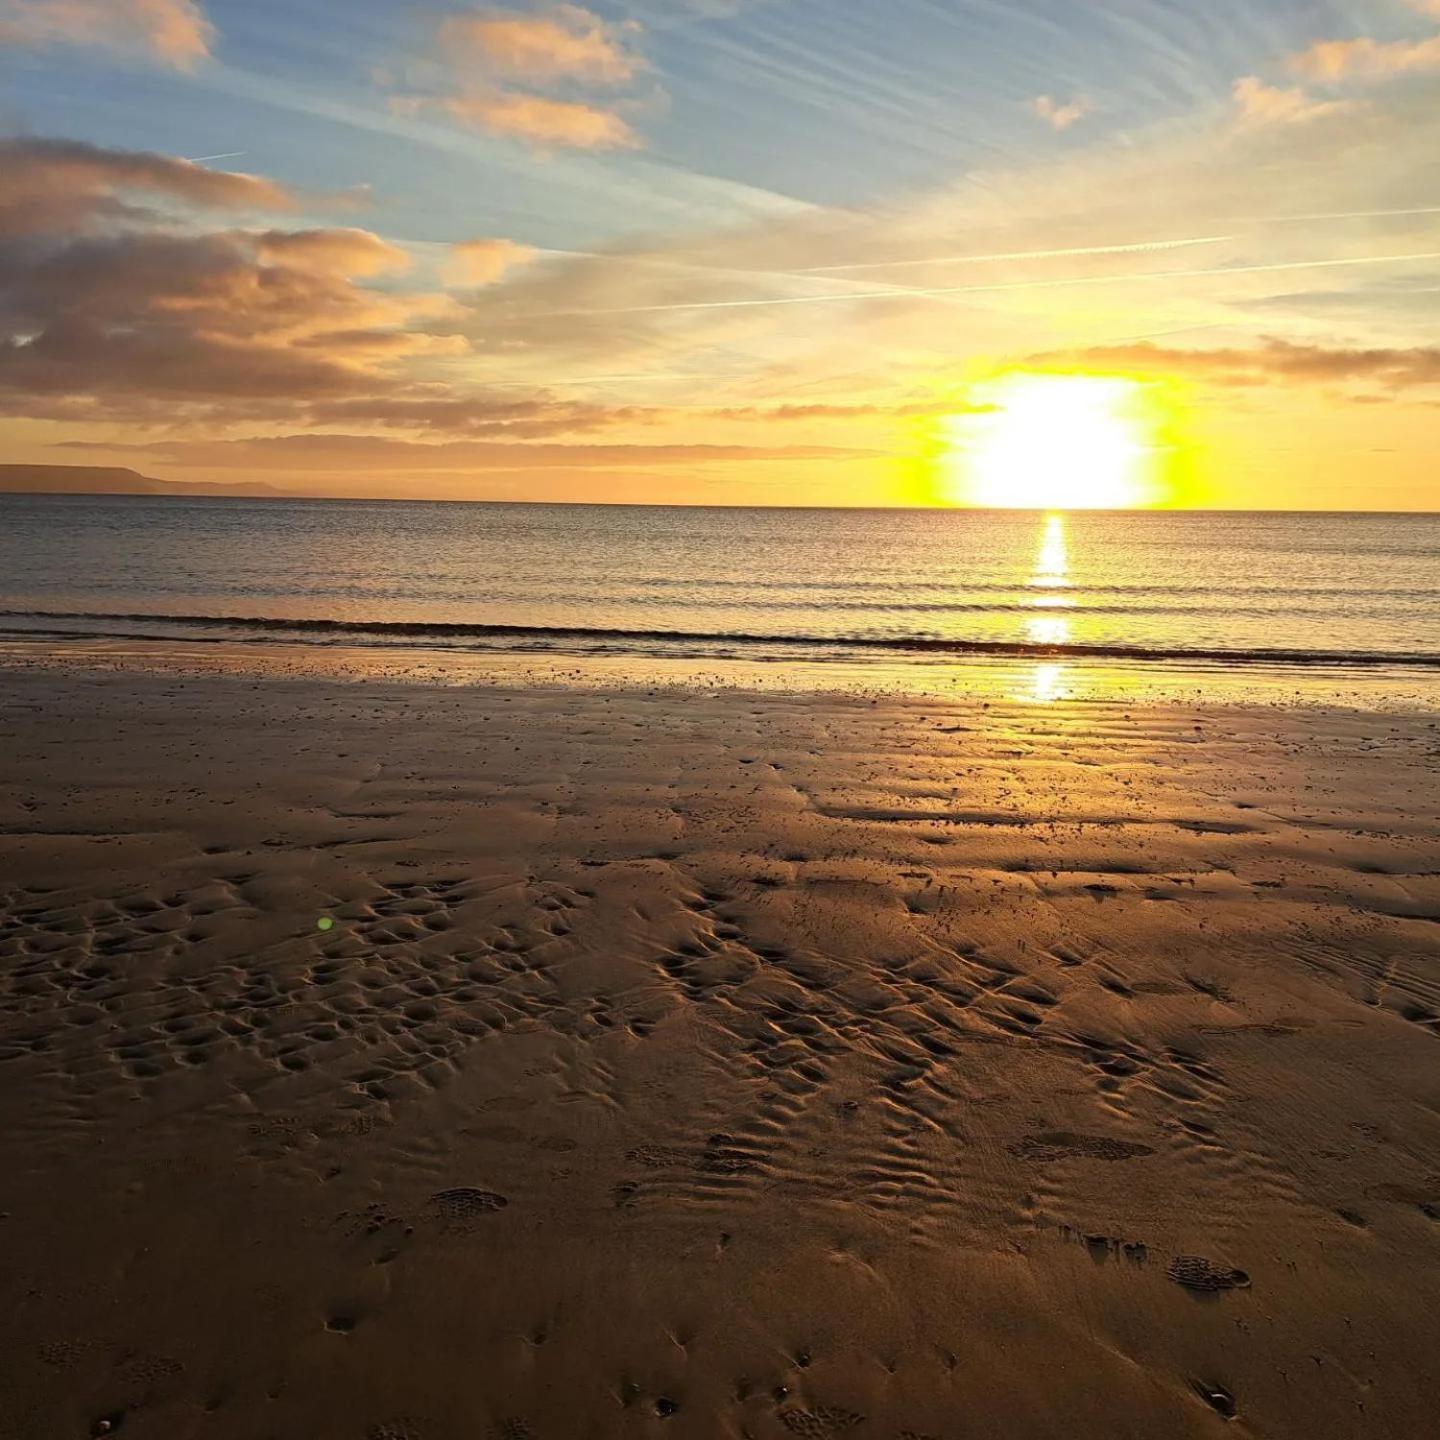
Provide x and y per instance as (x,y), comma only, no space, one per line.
(400,1062)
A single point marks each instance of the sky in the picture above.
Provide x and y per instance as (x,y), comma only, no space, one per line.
(770,252)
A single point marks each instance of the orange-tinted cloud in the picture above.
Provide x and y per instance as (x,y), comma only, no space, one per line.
(563,43)
(484,261)
(1271,360)
(135,318)
(175,32)
(346,251)
(570,124)
(1366,59)
(51,186)
(524,76)
(119,305)
(1060,115)
(115,304)
(847,412)
(1262,104)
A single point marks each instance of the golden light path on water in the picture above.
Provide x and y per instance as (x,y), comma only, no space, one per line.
(1051,579)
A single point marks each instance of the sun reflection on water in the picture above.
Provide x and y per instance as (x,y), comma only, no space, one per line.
(1047,684)
(1051,578)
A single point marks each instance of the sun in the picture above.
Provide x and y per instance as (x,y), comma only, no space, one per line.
(1055,442)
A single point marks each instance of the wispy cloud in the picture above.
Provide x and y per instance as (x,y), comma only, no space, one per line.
(175,32)
(1132,247)
(933,292)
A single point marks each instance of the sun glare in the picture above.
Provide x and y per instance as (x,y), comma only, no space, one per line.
(1056,442)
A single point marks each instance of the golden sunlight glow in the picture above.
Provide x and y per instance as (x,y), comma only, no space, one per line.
(1056,442)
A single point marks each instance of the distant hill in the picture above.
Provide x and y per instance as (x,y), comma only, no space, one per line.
(113,480)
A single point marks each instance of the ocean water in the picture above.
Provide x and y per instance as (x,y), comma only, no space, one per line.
(1260,588)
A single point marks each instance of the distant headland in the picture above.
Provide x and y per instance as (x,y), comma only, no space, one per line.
(116,480)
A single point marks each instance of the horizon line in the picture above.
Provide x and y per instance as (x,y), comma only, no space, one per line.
(688,505)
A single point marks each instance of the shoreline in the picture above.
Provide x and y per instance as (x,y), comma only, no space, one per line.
(1035,681)
(682,644)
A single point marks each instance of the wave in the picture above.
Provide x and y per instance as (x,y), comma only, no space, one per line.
(277,630)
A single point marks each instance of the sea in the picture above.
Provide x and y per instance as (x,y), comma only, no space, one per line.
(1274,589)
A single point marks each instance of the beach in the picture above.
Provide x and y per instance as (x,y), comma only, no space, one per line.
(400,1060)
(719,720)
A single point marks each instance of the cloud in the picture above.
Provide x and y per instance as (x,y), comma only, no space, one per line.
(569,124)
(116,302)
(123,302)
(440,414)
(564,42)
(1262,104)
(192,318)
(174,32)
(1365,59)
(484,261)
(150,304)
(1271,360)
(826,411)
(1334,63)
(1061,115)
(531,76)
(48,186)
(1042,258)
(344,251)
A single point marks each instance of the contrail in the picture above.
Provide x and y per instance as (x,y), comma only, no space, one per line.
(1135,248)
(206,159)
(940,292)
(1338,215)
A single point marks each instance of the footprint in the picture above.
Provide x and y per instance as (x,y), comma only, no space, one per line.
(659,1157)
(1063,1145)
(465,1202)
(1195,1272)
(821,1421)
(402,1427)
